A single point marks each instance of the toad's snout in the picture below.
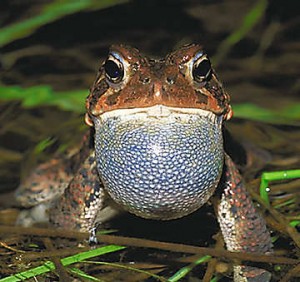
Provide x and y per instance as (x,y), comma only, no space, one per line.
(160,168)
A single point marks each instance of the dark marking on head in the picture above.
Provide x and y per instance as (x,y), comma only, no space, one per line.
(112,99)
(171,79)
(97,91)
(201,99)
(217,92)
(129,100)
(144,79)
(157,67)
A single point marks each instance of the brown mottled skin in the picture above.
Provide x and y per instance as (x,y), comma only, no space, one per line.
(146,77)
(144,83)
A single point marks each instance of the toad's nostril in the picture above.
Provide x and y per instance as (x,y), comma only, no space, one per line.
(145,79)
(171,79)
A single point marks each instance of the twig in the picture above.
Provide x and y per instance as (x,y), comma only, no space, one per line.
(291,273)
(143,243)
(284,224)
(213,262)
(61,271)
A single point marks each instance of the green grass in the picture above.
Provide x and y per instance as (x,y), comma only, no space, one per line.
(249,21)
(267,177)
(181,273)
(75,101)
(49,266)
(264,188)
(44,95)
(49,13)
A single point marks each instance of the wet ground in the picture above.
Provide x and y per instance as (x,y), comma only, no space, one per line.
(262,68)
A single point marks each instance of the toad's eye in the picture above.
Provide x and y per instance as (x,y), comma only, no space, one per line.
(114,69)
(202,70)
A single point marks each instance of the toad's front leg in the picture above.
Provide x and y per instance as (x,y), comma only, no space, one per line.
(78,207)
(243,228)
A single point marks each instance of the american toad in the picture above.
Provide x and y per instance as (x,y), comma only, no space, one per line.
(158,151)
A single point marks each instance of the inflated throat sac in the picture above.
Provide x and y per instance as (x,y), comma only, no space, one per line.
(159,167)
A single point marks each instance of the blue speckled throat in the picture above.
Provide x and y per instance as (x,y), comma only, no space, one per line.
(159,162)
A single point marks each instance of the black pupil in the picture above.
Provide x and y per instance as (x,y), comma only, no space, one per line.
(113,70)
(202,70)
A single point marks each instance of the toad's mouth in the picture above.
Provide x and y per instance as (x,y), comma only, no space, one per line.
(159,162)
(160,112)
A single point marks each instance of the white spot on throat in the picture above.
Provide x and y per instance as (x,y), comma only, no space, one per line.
(156,149)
